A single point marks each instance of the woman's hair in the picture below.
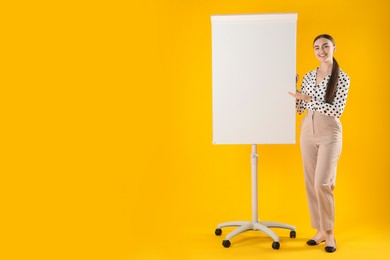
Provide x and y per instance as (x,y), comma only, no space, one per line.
(334,77)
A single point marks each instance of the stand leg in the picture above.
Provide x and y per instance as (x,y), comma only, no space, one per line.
(232,224)
(277,225)
(241,229)
(265,229)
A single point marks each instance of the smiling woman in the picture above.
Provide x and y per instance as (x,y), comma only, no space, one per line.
(323,94)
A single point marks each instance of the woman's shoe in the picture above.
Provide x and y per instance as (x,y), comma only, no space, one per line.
(331,249)
(313,242)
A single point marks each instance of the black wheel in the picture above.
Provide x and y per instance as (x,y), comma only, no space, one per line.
(218,231)
(226,243)
(293,234)
(275,245)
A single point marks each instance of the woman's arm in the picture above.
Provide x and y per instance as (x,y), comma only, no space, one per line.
(301,97)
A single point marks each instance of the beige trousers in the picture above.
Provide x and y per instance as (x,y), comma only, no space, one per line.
(321,142)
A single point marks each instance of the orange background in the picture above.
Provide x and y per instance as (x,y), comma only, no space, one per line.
(106,127)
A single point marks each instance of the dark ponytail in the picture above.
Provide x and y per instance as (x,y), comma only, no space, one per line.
(331,89)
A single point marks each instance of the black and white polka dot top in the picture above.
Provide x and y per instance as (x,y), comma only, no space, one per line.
(317,92)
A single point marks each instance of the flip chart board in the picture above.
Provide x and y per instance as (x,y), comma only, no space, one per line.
(253,68)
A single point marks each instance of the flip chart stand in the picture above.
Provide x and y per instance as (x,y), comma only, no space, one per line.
(255,224)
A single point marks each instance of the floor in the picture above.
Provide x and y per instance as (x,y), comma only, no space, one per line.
(201,243)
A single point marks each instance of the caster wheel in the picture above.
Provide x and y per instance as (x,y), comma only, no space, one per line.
(218,231)
(226,243)
(293,234)
(275,245)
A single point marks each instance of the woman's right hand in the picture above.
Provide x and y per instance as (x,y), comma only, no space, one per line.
(300,96)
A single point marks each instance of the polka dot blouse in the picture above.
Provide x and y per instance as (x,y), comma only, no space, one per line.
(317,92)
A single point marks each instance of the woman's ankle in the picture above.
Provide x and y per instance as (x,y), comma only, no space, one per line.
(319,236)
(330,239)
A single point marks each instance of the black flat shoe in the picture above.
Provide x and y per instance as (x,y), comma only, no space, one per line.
(312,242)
(330,249)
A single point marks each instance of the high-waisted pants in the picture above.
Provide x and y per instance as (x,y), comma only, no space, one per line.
(321,142)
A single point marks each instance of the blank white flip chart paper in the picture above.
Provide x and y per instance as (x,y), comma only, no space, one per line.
(253,69)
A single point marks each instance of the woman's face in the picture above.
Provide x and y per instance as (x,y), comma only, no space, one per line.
(324,49)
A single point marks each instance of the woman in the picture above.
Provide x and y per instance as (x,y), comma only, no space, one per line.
(323,94)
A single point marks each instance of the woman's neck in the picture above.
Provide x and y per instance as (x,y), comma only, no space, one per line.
(325,68)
